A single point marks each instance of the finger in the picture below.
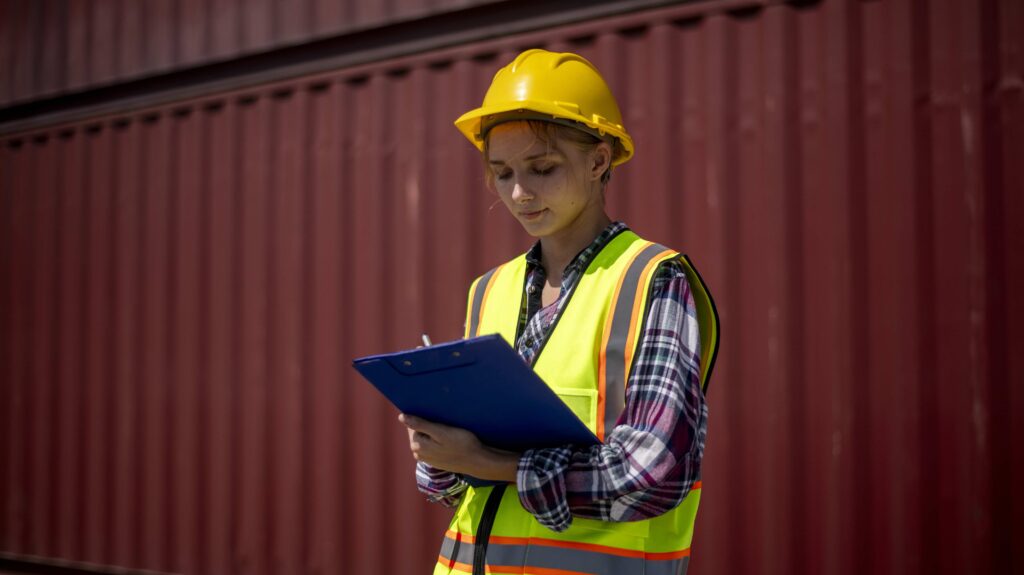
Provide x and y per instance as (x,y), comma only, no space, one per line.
(421,441)
(422,447)
(419,424)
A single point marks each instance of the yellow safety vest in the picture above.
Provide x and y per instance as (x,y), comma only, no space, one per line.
(586,360)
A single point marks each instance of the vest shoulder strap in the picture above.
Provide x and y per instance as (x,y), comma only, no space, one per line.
(629,312)
(481,290)
(623,329)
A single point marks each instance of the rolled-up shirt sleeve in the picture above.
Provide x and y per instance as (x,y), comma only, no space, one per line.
(438,485)
(651,458)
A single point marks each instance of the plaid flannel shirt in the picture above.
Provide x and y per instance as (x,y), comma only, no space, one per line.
(651,458)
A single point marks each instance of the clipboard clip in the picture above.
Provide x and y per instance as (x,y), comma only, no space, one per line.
(434,358)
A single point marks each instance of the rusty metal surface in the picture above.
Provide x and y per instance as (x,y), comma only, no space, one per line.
(183,288)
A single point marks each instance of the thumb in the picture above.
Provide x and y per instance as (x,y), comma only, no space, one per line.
(421,425)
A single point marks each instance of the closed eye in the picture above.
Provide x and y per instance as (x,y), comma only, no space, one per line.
(538,170)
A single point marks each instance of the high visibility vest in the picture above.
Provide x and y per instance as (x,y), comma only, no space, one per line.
(586,360)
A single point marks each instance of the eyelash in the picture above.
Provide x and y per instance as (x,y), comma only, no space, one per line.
(539,172)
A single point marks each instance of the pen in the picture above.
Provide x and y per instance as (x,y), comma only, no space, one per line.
(426,340)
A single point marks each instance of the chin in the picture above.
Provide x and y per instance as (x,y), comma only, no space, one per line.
(532,231)
(535,228)
(540,230)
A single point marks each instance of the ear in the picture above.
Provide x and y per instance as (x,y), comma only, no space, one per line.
(600,160)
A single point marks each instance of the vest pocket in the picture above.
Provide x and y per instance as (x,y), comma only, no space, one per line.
(582,402)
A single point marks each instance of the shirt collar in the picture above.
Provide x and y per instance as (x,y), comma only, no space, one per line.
(582,259)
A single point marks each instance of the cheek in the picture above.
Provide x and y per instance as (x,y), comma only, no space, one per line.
(504,190)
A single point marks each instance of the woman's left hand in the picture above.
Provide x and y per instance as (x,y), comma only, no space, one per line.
(458,450)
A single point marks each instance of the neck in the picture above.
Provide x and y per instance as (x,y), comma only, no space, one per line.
(557,250)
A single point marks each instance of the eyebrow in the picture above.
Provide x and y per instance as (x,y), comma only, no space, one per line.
(528,158)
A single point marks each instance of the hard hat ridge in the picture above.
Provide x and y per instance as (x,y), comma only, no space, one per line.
(557,60)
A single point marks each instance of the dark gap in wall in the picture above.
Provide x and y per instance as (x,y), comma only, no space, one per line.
(440,65)
(582,41)
(359,80)
(282,93)
(745,13)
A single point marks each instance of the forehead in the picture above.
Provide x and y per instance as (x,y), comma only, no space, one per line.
(516,140)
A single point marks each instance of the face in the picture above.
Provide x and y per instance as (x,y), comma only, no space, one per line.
(546,186)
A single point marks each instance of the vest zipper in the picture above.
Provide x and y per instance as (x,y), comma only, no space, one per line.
(483,530)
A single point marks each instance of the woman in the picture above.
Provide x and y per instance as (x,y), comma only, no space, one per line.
(601,308)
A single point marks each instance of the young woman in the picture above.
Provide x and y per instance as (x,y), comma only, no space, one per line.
(621,328)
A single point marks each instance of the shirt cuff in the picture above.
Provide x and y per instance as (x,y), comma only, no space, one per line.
(540,480)
(439,486)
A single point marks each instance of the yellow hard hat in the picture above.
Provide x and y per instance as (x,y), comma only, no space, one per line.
(556,87)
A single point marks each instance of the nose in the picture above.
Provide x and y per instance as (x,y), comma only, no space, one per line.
(520,194)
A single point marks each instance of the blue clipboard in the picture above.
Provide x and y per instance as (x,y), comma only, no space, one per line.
(480,384)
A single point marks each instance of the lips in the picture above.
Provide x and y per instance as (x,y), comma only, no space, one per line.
(532,215)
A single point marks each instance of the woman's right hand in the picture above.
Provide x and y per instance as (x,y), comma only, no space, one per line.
(458,450)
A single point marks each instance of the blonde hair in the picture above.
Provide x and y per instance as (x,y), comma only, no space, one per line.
(551,133)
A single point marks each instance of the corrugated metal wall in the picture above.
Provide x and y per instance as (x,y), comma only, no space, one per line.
(183,290)
(50,47)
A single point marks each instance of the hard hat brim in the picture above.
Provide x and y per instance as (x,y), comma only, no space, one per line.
(471,122)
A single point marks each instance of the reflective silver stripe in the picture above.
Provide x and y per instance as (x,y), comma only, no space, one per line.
(571,560)
(478,302)
(463,553)
(551,557)
(615,352)
(509,555)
